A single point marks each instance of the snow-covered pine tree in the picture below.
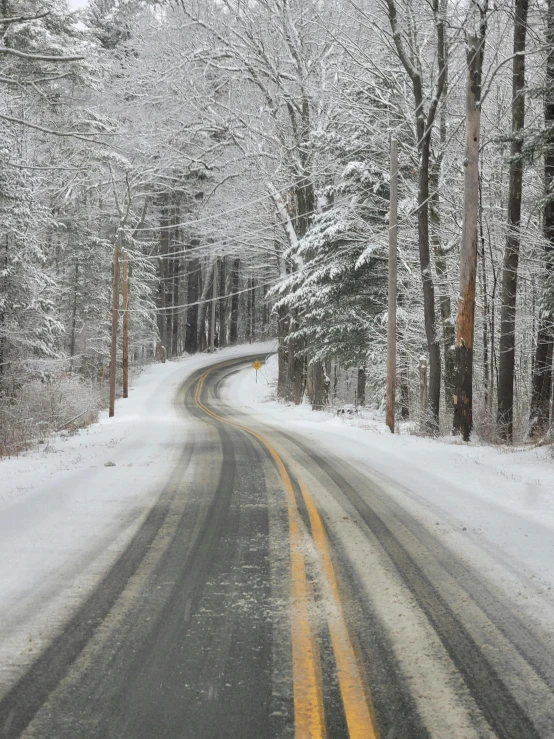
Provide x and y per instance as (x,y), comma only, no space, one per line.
(29,324)
(339,287)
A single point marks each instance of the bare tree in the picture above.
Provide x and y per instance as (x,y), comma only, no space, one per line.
(425,119)
(506,364)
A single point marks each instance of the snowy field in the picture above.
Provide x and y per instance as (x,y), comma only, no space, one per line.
(493,505)
(70,507)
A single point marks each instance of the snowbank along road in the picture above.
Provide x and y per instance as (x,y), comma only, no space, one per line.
(275,590)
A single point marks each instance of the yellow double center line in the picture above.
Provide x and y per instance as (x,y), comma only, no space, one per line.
(309,719)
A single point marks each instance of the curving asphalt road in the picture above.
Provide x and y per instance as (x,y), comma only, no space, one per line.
(273,591)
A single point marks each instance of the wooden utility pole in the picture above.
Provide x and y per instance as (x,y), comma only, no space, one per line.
(125,362)
(214,301)
(115,310)
(391,323)
(463,389)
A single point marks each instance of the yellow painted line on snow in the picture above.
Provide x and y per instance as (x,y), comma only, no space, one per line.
(356,709)
(309,721)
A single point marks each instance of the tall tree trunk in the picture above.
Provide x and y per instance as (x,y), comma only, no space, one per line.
(487,353)
(296,379)
(163,273)
(266,310)
(361,386)
(447,320)
(463,397)
(424,124)
(176,273)
(282,352)
(203,308)
(235,282)
(194,287)
(505,411)
(248,317)
(433,399)
(176,310)
(319,396)
(404,386)
(305,204)
(541,389)
(169,297)
(222,335)
(74,312)
(253,309)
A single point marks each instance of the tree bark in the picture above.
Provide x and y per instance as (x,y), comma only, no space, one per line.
(541,388)
(115,316)
(248,317)
(319,397)
(222,334)
(163,273)
(213,307)
(404,387)
(361,386)
(445,304)
(235,282)
(424,124)
(194,286)
(296,369)
(175,285)
(203,328)
(433,400)
(282,352)
(253,308)
(74,312)
(463,396)
(125,329)
(447,320)
(392,288)
(505,390)
(487,353)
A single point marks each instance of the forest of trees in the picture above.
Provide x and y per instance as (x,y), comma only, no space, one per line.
(248,143)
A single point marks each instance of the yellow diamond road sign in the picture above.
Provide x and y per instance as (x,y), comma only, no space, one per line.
(256,365)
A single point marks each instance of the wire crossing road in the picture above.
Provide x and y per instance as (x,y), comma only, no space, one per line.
(276,591)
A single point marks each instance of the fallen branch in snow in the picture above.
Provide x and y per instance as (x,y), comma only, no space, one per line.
(71,421)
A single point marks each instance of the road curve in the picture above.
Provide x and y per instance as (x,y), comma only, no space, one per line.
(275,590)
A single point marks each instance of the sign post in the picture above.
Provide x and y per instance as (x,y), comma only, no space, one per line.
(256,366)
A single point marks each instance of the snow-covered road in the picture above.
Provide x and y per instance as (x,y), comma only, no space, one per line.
(66,512)
(209,554)
(494,506)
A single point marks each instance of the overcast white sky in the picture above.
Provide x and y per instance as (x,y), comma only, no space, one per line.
(77,4)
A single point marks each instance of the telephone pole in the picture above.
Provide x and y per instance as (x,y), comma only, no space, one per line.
(125,363)
(391,323)
(115,309)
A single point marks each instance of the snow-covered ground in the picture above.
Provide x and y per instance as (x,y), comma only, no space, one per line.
(493,505)
(68,508)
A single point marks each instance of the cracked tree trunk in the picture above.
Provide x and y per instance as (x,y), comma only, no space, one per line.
(463,396)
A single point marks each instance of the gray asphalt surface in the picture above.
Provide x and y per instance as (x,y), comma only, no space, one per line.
(189,634)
